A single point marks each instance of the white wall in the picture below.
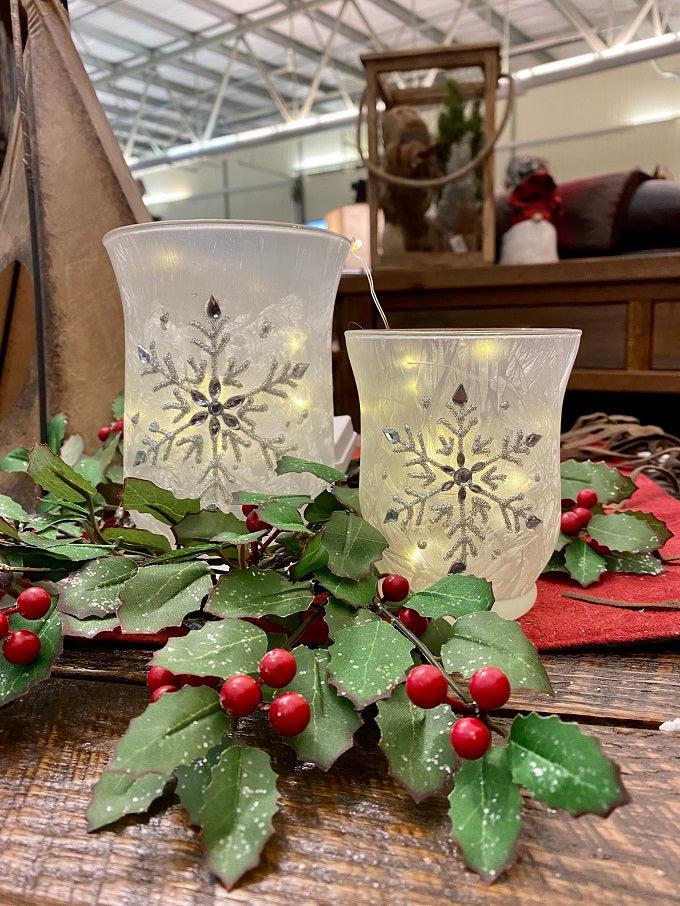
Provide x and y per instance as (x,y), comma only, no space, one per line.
(549,121)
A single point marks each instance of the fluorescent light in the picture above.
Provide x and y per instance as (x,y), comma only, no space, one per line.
(164,198)
(648,119)
(584,59)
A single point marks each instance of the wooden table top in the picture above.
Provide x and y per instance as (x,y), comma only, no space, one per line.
(348,836)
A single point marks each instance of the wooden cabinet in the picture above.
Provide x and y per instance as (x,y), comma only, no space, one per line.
(627,307)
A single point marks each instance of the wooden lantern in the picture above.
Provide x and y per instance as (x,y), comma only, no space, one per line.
(484,57)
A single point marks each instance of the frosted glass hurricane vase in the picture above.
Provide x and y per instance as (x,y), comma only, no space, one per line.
(460,436)
(227,352)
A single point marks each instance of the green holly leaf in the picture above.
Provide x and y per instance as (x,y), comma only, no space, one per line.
(314,557)
(239,803)
(416,744)
(437,634)
(259,497)
(353,545)
(15,461)
(608,483)
(322,507)
(216,649)
(118,406)
(659,528)
(7,530)
(583,563)
(643,564)
(204,525)
(162,595)
(357,593)
(480,639)
(15,679)
(93,590)
(367,661)
(623,532)
(177,729)
(11,510)
(556,563)
(348,497)
(325,473)
(89,627)
(116,795)
(137,538)
(186,553)
(145,497)
(231,538)
(562,766)
(334,720)
(72,449)
(339,616)
(283,516)
(56,429)
(485,808)
(51,472)
(258,593)
(453,596)
(75,551)
(562,541)
(192,780)
(115,474)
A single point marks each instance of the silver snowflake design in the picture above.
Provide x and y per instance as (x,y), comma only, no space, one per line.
(213,425)
(473,482)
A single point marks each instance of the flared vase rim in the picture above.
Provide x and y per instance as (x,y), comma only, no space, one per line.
(465,332)
(264,226)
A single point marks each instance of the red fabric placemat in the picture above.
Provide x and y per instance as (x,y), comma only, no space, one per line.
(559,621)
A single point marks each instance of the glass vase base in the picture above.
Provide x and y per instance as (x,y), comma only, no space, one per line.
(513,608)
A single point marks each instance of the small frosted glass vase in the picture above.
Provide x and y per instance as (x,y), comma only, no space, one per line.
(460,440)
(227,352)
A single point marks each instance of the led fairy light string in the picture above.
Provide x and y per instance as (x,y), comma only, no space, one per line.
(366,268)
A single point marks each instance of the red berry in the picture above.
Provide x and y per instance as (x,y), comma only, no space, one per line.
(321,598)
(34,602)
(470,738)
(103,433)
(426,686)
(570,523)
(240,695)
(587,498)
(266,624)
(190,679)
(393,587)
(413,621)
(117,427)
(584,515)
(289,713)
(4,625)
(159,676)
(600,548)
(255,524)
(277,668)
(490,688)
(21,647)
(161,691)
(317,632)
(248,508)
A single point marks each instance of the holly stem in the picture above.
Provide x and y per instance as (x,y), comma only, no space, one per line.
(267,541)
(421,646)
(242,557)
(316,611)
(93,520)
(24,569)
(457,705)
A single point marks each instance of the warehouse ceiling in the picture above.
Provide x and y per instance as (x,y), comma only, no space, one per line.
(176,72)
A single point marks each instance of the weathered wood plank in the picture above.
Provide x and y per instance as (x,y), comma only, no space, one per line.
(350,835)
(639,685)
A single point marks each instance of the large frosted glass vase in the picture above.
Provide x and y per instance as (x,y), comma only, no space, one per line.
(227,352)
(460,438)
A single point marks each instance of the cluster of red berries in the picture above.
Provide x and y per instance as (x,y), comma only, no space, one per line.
(241,694)
(22,646)
(427,687)
(106,430)
(253,521)
(395,588)
(575,519)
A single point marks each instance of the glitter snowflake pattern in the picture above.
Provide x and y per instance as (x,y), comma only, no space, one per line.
(213,426)
(471,466)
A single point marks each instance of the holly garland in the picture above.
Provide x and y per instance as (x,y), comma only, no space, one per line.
(285,618)
(594,538)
